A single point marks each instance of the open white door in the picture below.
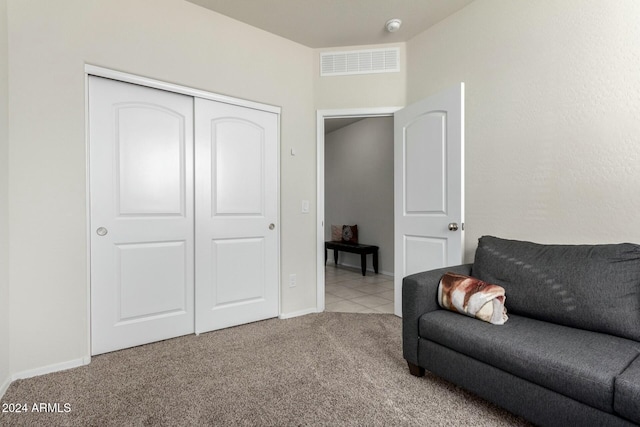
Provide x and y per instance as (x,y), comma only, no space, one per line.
(429,185)
(141,184)
(237,228)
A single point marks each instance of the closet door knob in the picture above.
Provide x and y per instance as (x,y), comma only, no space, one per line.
(453,226)
(272,226)
(101,231)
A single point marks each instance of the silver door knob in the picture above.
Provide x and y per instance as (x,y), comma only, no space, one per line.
(453,226)
(272,226)
(101,231)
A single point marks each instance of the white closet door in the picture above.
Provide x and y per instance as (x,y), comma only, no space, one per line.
(237,228)
(142,220)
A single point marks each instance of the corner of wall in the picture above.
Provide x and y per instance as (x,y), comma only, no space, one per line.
(4,386)
(5,371)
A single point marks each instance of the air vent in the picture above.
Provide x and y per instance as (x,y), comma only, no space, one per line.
(368,61)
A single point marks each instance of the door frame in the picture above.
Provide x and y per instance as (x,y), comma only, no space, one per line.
(321,115)
(94,70)
(171,87)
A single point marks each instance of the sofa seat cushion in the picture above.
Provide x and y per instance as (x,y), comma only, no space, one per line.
(627,395)
(579,364)
(593,287)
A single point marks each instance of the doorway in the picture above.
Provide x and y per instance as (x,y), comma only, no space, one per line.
(359,193)
(322,115)
(428,185)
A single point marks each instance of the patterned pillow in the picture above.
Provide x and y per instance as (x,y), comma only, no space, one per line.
(336,233)
(473,297)
(350,233)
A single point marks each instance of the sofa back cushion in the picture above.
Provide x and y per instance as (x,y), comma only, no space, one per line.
(593,287)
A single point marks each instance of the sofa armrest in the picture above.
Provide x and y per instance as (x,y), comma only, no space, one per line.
(420,296)
(627,392)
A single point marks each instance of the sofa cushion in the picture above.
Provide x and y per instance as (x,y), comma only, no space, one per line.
(576,363)
(627,395)
(594,287)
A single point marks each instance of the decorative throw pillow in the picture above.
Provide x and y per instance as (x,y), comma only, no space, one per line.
(336,233)
(473,297)
(350,233)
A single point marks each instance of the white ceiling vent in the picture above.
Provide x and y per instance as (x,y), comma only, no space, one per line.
(368,61)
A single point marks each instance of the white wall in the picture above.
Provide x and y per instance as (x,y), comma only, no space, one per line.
(359,186)
(4,190)
(170,40)
(552,108)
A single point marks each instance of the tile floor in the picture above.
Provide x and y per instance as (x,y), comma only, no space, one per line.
(347,291)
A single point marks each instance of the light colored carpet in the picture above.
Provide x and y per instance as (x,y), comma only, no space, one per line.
(319,369)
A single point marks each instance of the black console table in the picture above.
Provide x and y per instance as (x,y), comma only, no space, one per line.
(354,248)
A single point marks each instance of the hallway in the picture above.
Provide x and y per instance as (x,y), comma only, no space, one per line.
(347,291)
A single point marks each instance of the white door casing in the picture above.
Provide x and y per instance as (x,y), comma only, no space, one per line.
(142,219)
(429,185)
(237,229)
(321,116)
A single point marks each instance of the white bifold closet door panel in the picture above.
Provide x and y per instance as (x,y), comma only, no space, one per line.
(142,214)
(237,263)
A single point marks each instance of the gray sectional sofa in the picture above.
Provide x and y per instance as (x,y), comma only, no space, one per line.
(569,353)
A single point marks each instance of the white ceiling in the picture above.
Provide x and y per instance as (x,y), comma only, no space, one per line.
(331,23)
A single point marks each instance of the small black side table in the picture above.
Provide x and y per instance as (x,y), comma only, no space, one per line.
(354,248)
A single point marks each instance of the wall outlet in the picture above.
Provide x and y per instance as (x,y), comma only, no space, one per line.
(292,280)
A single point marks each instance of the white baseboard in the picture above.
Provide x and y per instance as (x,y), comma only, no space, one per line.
(298,313)
(4,386)
(359,268)
(51,368)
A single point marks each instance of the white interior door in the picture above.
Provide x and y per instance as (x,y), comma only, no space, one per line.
(429,184)
(142,219)
(237,262)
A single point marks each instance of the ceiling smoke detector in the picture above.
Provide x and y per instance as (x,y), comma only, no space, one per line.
(393,25)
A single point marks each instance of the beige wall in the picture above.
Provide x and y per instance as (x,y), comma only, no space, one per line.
(358,186)
(356,91)
(4,194)
(552,107)
(171,40)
